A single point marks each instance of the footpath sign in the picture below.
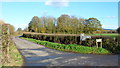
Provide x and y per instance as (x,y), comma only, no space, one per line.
(83,37)
(99,43)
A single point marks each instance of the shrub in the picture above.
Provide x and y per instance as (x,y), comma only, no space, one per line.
(112,46)
(108,43)
(90,42)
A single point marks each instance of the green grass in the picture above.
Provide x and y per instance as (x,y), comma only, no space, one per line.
(70,47)
(112,35)
(107,34)
(104,34)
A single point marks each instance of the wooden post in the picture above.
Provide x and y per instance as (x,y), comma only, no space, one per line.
(101,44)
(97,44)
(81,37)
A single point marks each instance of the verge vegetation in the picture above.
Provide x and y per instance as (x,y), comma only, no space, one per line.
(108,42)
(15,58)
(70,47)
(10,56)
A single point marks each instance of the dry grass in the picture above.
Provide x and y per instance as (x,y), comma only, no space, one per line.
(15,58)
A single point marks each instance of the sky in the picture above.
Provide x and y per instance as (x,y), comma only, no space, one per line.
(20,14)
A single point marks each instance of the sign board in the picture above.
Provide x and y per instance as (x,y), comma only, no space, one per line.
(82,34)
(98,40)
(83,38)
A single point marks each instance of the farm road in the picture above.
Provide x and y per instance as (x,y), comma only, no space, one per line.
(38,55)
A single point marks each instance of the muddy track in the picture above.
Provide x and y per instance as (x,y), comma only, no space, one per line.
(38,55)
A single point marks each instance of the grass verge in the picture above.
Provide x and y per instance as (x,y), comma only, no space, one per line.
(70,47)
(15,58)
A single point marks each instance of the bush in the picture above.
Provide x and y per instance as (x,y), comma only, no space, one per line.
(108,43)
(112,46)
(92,42)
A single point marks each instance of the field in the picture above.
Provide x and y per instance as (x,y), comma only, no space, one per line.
(112,35)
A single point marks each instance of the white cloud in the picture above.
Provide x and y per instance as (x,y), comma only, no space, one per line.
(110,26)
(57,3)
(111,16)
(60,0)
(20,26)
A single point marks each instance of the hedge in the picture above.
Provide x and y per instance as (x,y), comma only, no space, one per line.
(109,43)
(58,38)
(66,38)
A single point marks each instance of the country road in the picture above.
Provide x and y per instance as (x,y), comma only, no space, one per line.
(38,55)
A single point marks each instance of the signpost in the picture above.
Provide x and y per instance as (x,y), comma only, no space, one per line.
(83,38)
(99,41)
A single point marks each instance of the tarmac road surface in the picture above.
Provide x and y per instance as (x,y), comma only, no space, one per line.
(38,55)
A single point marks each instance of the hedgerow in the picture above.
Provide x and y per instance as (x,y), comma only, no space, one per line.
(64,39)
(109,43)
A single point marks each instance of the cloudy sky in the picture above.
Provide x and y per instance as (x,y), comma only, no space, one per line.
(20,12)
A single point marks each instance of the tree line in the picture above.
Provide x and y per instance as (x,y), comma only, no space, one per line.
(64,24)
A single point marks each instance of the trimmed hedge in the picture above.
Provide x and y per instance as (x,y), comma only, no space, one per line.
(64,39)
(70,47)
(92,42)
(67,39)
(109,43)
